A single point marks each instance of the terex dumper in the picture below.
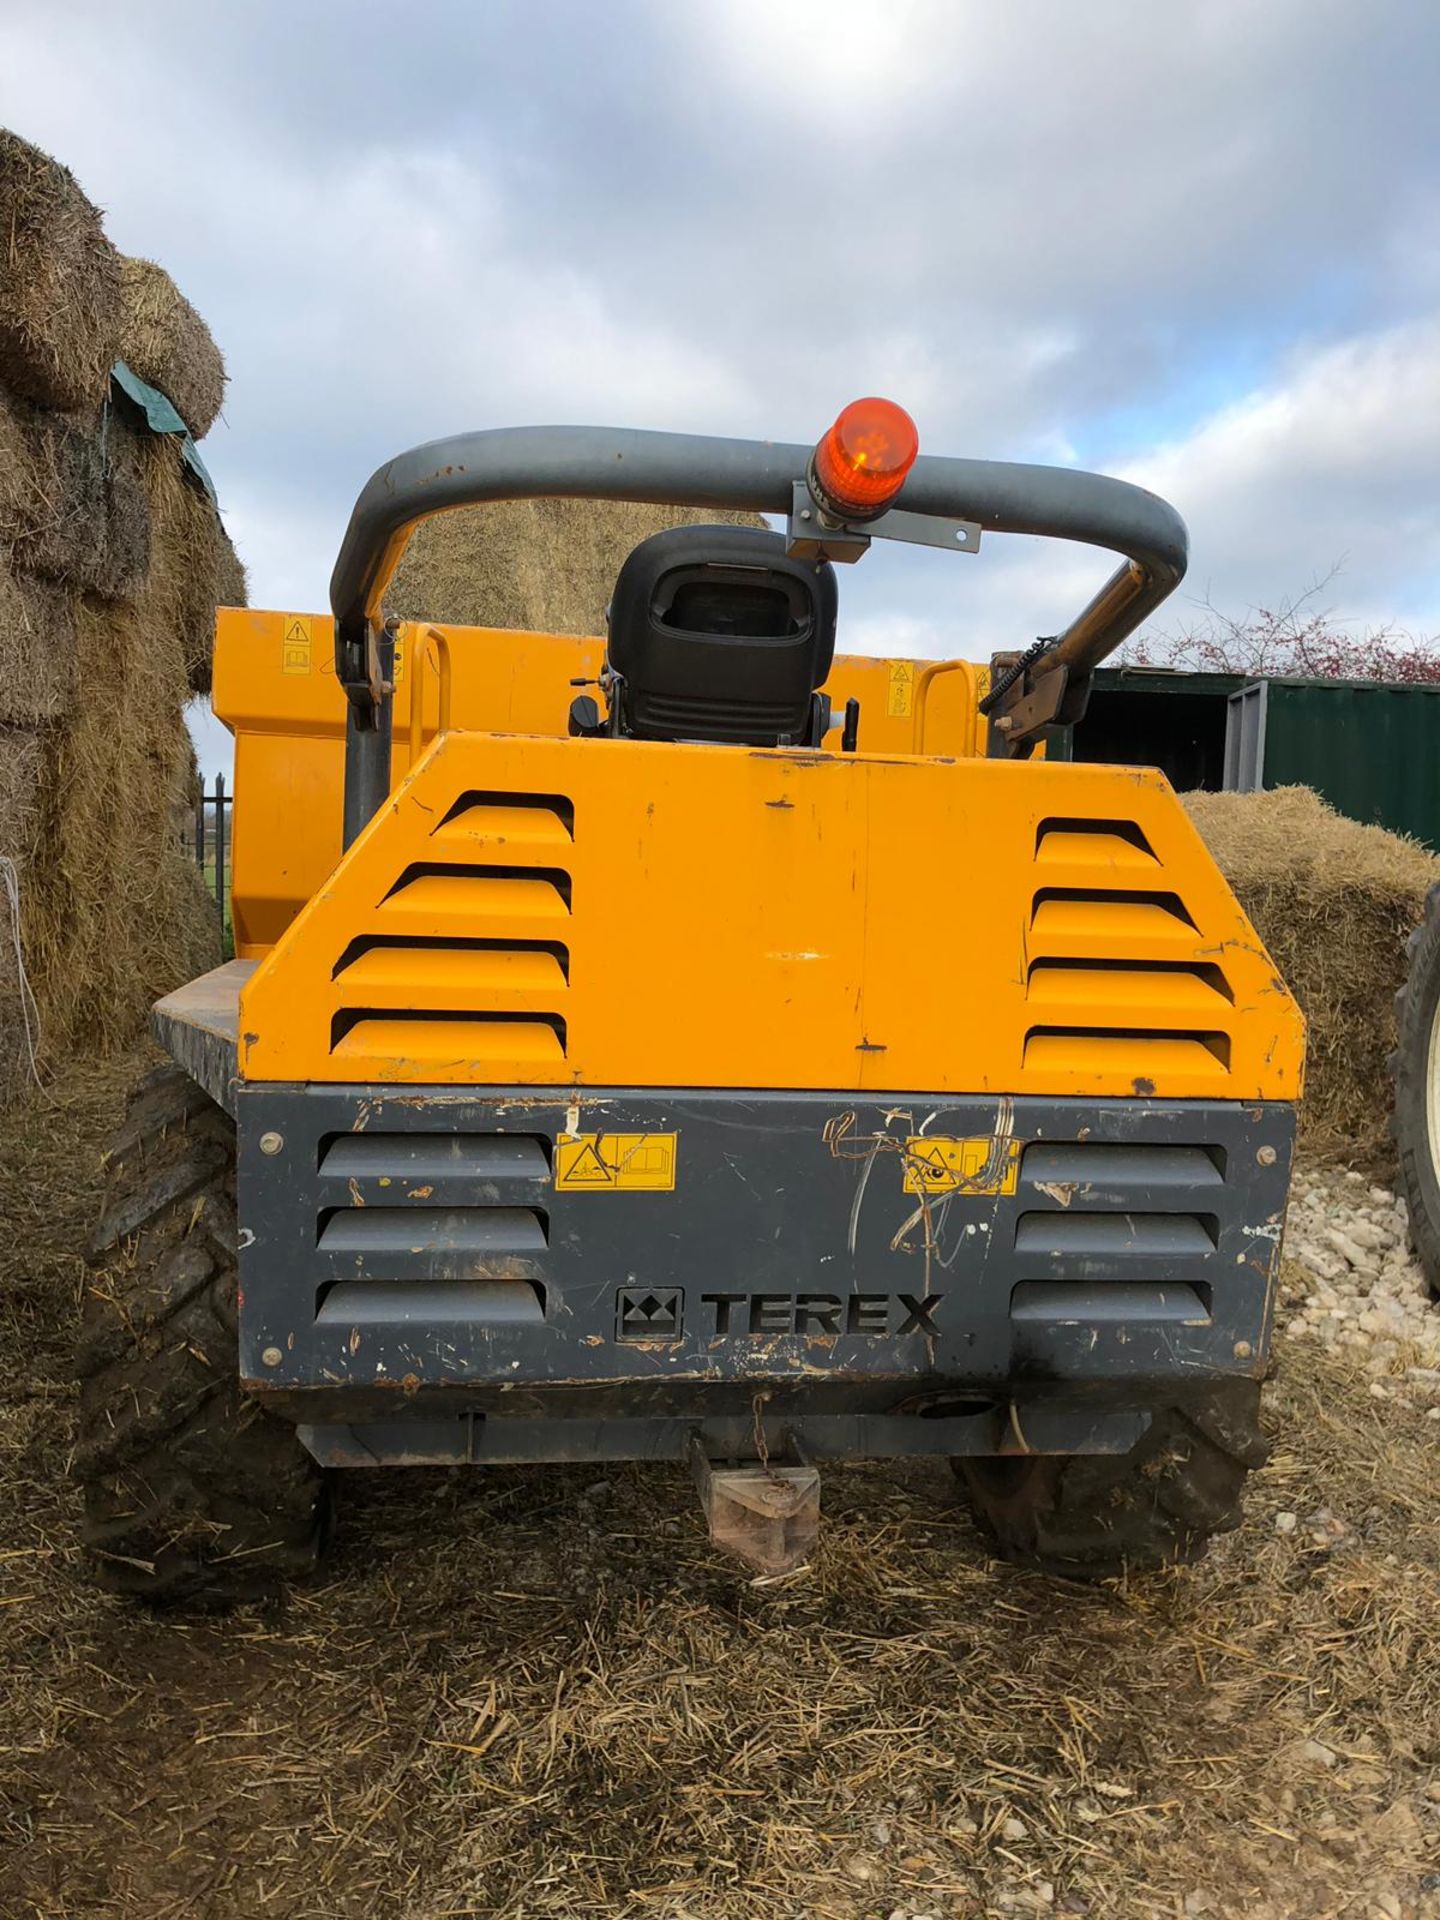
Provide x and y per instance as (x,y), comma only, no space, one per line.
(761,1058)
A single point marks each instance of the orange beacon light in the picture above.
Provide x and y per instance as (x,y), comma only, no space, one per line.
(861,463)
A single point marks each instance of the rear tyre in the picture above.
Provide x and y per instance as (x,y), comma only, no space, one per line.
(1091,1517)
(192,1492)
(1417,1090)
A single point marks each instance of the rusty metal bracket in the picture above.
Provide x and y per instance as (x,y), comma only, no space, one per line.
(1034,691)
(765,1515)
(1032,705)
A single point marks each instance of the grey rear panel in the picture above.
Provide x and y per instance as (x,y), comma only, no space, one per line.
(431,1255)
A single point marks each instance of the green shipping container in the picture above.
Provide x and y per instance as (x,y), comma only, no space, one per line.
(1371,748)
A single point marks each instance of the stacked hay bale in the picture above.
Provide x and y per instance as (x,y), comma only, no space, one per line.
(1335,903)
(548,565)
(112,561)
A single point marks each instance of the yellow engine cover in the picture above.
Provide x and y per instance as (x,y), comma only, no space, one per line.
(548,912)
(275,687)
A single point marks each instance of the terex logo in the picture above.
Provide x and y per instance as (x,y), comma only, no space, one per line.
(822,1313)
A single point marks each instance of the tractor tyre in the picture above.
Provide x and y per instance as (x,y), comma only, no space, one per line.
(192,1492)
(1093,1516)
(1416,1063)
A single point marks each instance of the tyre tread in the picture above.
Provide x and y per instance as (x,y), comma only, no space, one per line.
(191,1491)
(1415,1010)
(1093,1517)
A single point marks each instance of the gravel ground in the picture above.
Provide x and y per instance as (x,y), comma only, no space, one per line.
(1351,1282)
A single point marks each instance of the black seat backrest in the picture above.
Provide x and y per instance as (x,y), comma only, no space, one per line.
(716,635)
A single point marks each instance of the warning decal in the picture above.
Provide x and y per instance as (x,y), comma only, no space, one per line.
(902,689)
(986,1165)
(295,643)
(615,1162)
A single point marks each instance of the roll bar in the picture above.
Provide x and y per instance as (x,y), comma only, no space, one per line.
(695,470)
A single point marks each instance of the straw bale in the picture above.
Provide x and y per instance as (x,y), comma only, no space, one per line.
(22,770)
(61,519)
(1335,903)
(37,649)
(195,569)
(164,340)
(119,569)
(117,914)
(82,518)
(17,475)
(111,565)
(59,283)
(545,565)
(22,777)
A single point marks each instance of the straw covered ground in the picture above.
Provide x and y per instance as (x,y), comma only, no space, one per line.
(538,1693)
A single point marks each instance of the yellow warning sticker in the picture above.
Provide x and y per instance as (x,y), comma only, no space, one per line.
(984,1165)
(295,643)
(615,1162)
(902,689)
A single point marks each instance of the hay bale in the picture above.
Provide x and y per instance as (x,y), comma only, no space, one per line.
(120,568)
(164,340)
(117,912)
(59,283)
(37,620)
(22,771)
(194,569)
(1335,903)
(545,565)
(17,474)
(23,763)
(111,565)
(61,489)
(81,517)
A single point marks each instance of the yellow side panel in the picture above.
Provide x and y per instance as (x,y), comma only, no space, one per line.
(617,913)
(275,688)
(287,713)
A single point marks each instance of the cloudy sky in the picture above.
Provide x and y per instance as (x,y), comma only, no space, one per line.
(1196,244)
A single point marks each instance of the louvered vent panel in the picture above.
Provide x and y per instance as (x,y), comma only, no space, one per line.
(1076,914)
(475,894)
(433,1228)
(1115,1234)
(407,970)
(465,969)
(503,820)
(1116,987)
(1098,845)
(1074,1232)
(1141,1056)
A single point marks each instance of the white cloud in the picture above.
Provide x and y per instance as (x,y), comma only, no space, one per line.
(1030,223)
(851,67)
(1336,462)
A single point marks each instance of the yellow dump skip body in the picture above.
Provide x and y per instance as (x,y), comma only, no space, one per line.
(535,910)
(605,1089)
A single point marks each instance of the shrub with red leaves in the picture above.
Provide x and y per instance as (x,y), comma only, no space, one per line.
(1291,643)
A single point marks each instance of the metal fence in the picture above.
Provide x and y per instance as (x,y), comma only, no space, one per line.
(211,840)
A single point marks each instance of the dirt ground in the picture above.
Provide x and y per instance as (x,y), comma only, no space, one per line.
(538,1693)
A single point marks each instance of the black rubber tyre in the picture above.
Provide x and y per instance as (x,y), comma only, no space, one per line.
(1091,1517)
(1416,1064)
(192,1492)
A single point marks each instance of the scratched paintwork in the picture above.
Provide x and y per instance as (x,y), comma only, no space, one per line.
(971,926)
(783,1205)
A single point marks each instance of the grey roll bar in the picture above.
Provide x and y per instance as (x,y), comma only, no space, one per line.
(695,470)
